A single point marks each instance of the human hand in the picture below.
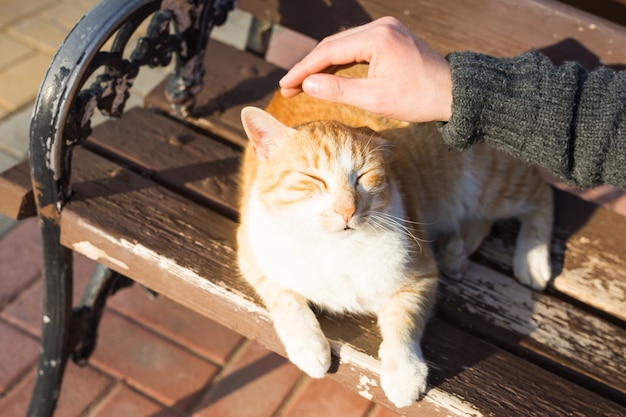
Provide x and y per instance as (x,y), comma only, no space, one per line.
(407,79)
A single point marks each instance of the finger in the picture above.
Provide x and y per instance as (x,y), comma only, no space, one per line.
(332,51)
(353,91)
(290,92)
(346,47)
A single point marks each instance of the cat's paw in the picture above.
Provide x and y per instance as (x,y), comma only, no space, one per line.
(532,268)
(312,357)
(452,259)
(403,377)
(454,272)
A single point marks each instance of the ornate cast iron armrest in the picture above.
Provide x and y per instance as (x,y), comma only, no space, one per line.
(61,120)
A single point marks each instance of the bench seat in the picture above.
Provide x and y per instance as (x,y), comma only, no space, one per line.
(175,233)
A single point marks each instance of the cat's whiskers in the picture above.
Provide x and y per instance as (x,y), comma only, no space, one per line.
(376,227)
(382,219)
(403,220)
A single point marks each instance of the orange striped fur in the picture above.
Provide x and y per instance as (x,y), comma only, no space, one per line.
(340,207)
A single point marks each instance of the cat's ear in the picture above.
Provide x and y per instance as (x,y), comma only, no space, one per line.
(263,130)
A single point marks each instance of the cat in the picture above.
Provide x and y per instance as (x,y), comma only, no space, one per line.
(339,208)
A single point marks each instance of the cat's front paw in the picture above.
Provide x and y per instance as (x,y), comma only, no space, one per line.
(452,258)
(532,268)
(403,378)
(312,357)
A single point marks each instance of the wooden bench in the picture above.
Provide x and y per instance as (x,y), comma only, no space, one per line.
(154,199)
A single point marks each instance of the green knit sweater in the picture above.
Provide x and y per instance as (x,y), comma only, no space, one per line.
(566,119)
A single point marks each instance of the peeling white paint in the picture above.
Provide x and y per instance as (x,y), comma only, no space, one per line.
(189,275)
(348,355)
(97,254)
(439,398)
(172,267)
(364,385)
(448,401)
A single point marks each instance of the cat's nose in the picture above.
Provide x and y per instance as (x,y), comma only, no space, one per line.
(346,212)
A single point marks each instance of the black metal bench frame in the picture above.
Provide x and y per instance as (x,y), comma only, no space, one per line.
(61,121)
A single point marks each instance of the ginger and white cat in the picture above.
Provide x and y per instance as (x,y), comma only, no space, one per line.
(340,209)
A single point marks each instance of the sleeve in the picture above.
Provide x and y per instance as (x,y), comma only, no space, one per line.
(566,119)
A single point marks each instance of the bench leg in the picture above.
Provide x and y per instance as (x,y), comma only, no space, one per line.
(64,331)
(55,337)
(86,317)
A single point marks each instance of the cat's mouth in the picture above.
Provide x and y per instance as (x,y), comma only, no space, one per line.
(346,228)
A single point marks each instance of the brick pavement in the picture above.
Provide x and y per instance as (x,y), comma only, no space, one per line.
(154,357)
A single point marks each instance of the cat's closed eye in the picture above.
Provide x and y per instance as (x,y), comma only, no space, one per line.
(319,181)
(302,183)
(372,180)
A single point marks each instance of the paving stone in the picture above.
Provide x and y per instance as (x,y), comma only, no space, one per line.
(11,10)
(177,323)
(14,133)
(19,353)
(11,50)
(20,257)
(150,364)
(383,412)
(254,385)
(7,161)
(25,312)
(65,15)
(80,389)
(125,402)
(82,4)
(325,397)
(40,33)
(6,224)
(20,83)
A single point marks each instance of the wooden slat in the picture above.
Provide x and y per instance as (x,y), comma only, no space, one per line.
(186,252)
(555,333)
(173,154)
(600,352)
(16,193)
(499,27)
(232,80)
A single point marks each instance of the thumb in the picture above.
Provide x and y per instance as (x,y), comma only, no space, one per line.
(333,88)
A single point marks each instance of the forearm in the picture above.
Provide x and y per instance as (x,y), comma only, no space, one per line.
(565,118)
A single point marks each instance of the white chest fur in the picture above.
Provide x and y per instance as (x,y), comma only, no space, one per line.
(354,270)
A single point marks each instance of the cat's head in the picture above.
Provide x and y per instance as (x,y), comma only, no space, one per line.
(323,174)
